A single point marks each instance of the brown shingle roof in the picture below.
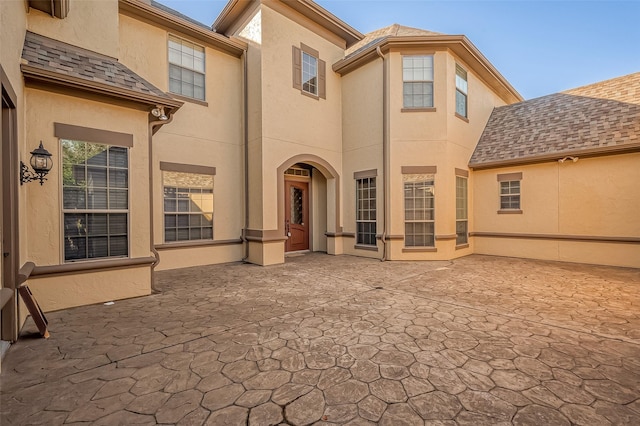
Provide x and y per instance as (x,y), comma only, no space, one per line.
(604,116)
(43,54)
(390,31)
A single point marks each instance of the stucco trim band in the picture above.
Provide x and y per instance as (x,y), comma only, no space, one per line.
(509,177)
(588,238)
(187,168)
(419,250)
(195,244)
(263,236)
(419,170)
(446,237)
(91,266)
(87,134)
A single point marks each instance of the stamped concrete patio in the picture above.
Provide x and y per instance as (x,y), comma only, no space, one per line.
(343,340)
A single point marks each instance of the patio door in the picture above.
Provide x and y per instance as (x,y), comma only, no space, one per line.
(296,212)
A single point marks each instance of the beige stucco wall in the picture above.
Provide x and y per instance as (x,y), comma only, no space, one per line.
(594,197)
(92,25)
(43,238)
(209,134)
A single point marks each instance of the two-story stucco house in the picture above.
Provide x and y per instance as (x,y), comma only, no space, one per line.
(281,128)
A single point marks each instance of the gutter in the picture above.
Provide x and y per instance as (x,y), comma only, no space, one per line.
(245,123)
(154,126)
(385,155)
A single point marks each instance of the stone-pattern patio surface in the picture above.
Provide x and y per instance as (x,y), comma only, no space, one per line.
(343,340)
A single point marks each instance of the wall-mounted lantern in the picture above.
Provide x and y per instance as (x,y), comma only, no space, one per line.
(40,162)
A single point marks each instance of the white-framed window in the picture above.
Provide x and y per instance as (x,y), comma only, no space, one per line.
(417,76)
(186,68)
(95,200)
(419,210)
(188,206)
(366,211)
(309,72)
(461,91)
(462,218)
(510,195)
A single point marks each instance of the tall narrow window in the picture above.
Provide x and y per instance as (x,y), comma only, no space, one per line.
(188,206)
(309,72)
(95,198)
(461,91)
(462,219)
(417,75)
(419,212)
(186,68)
(366,211)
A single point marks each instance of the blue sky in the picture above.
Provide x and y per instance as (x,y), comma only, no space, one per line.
(541,47)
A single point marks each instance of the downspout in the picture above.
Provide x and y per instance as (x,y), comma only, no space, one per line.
(156,255)
(245,123)
(385,155)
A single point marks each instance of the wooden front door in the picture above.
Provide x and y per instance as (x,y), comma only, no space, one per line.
(296,215)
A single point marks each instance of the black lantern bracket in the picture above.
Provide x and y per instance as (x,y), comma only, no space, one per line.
(41,164)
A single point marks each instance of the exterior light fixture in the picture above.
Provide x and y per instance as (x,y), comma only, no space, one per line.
(41,164)
(158,112)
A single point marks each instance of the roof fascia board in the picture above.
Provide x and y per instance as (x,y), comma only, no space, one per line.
(231,12)
(458,44)
(555,156)
(148,13)
(50,77)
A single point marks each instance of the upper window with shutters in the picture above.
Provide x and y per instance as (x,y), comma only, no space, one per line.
(309,72)
(186,68)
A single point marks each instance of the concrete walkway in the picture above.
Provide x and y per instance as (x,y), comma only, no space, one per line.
(343,340)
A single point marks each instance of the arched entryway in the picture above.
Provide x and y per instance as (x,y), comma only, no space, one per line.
(308,202)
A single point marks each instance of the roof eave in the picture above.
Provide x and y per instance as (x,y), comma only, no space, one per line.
(146,12)
(459,44)
(36,74)
(557,155)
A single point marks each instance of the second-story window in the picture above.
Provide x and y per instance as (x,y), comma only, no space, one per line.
(309,72)
(417,76)
(186,68)
(461,91)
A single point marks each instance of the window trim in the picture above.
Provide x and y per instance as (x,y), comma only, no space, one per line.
(422,108)
(509,177)
(186,169)
(459,71)
(361,176)
(297,68)
(121,141)
(418,170)
(463,174)
(204,72)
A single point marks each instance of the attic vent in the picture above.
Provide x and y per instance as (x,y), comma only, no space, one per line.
(294,171)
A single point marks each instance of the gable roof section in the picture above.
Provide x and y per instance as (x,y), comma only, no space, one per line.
(52,61)
(401,37)
(597,119)
(309,9)
(169,19)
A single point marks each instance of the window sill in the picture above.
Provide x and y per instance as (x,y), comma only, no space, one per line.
(462,117)
(509,211)
(431,109)
(419,249)
(462,246)
(188,99)
(310,95)
(196,243)
(364,247)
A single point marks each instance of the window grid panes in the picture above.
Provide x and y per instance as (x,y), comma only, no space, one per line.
(419,210)
(188,206)
(366,211)
(186,68)
(462,219)
(461,91)
(417,76)
(510,195)
(95,200)
(309,74)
